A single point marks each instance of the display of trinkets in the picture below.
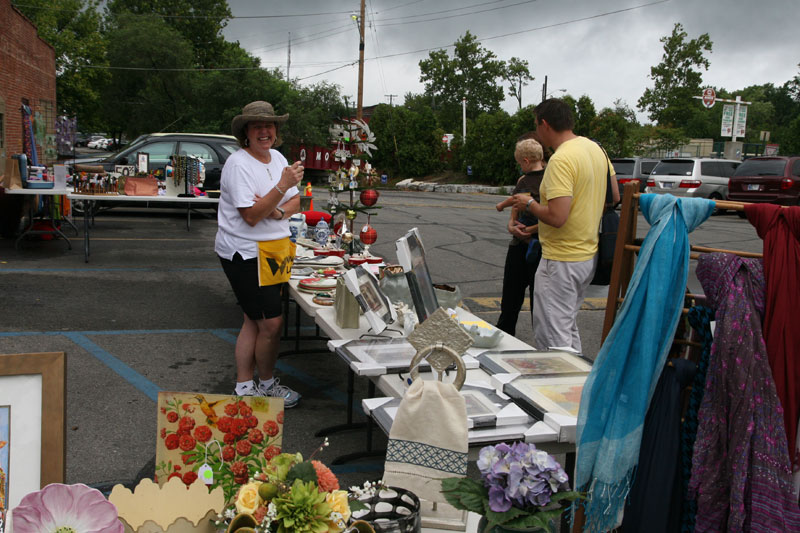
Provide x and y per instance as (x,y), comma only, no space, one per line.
(89,183)
(186,170)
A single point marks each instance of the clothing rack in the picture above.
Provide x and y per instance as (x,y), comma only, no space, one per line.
(627,246)
(685,343)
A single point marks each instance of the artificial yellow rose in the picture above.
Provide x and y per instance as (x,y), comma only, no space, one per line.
(337,499)
(248,500)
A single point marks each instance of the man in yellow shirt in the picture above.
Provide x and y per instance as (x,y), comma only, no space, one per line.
(573,195)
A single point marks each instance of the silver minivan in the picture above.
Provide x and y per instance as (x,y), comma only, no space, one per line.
(633,169)
(692,176)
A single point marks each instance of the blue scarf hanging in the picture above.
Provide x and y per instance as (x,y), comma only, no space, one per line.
(617,392)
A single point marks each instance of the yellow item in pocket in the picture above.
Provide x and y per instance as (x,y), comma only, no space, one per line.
(275,260)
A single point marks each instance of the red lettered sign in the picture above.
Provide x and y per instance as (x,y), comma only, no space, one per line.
(709,97)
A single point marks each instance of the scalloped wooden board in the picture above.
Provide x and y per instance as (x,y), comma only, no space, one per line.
(171,508)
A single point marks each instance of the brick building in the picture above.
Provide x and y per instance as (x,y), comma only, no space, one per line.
(27,76)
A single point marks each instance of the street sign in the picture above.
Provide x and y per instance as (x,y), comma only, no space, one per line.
(741,121)
(727,120)
(709,97)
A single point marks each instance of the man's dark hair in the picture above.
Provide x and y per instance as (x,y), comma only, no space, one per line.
(557,113)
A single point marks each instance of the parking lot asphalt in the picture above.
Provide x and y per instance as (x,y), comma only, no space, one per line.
(152,311)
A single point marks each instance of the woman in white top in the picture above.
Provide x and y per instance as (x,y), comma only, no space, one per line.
(258,195)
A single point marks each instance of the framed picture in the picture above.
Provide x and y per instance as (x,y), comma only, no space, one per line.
(540,395)
(533,363)
(376,306)
(142,162)
(32,423)
(379,356)
(480,409)
(216,429)
(411,255)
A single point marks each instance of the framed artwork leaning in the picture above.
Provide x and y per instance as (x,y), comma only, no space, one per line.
(411,256)
(534,363)
(32,424)
(231,436)
(540,395)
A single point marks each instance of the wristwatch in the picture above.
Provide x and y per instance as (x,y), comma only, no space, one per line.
(528,205)
(282,212)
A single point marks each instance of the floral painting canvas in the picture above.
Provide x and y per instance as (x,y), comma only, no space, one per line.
(234,436)
(5,439)
(558,395)
(531,363)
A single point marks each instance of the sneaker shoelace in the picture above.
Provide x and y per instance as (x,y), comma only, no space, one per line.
(277,390)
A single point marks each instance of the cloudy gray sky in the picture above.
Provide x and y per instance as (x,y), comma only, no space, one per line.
(601,48)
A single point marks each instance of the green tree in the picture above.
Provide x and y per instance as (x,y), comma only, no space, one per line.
(472,73)
(517,75)
(583,112)
(200,22)
(72,28)
(676,79)
(139,100)
(615,129)
(489,148)
(409,144)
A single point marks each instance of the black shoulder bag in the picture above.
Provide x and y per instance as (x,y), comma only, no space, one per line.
(609,225)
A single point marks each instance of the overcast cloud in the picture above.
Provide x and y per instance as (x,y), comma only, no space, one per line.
(606,57)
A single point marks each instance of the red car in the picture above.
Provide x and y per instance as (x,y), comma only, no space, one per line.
(774,179)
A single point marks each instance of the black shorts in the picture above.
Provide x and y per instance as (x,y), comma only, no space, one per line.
(256,302)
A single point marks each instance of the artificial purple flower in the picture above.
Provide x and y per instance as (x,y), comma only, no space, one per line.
(498,501)
(520,475)
(76,508)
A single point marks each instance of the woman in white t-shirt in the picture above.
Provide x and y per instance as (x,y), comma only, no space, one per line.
(258,195)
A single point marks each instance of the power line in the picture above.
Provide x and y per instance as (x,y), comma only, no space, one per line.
(421,50)
(232,17)
(375,40)
(449,10)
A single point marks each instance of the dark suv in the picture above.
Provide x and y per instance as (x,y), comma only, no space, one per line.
(774,179)
(213,149)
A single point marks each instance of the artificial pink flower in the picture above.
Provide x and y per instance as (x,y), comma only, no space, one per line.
(66,508)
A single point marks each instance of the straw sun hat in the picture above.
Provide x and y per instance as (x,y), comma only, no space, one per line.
(252,112)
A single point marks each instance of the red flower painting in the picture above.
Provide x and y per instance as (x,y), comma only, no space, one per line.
(234,436)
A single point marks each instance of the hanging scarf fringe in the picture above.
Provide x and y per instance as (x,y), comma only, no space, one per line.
(604,503)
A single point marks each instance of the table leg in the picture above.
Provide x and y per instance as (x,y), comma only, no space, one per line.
(349,425)
(188,216)
(85,233)
(26,230)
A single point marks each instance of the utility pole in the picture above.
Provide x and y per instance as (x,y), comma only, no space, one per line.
(390,96)
(464,119)
(361,62)
(544,89)
(289,57)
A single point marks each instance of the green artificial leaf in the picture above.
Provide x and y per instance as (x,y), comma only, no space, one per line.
(357,505)
(502,518)
(465,494)
(303,471)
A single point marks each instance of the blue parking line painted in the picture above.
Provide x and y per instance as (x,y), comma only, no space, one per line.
(150,389)
(147,387)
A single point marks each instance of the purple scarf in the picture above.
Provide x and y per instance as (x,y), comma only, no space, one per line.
(741,474)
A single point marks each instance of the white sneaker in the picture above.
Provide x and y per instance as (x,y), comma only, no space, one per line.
(251,390)
(276,390)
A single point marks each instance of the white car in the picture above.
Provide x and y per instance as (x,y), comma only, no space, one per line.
(98,144)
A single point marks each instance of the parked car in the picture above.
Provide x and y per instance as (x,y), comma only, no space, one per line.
(633,169)
(213,149)
(692,176)
(774,180)
(98,144)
